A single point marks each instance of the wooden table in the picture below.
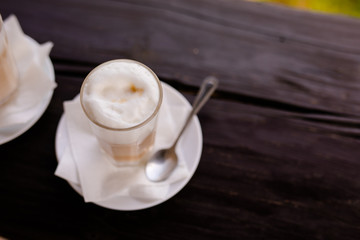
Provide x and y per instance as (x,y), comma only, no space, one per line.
(281,153)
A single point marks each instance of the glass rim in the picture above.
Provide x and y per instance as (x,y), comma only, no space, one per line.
(152,116)
(1,23)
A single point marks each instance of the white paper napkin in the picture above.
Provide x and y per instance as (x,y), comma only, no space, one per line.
(34,83)
(83,162)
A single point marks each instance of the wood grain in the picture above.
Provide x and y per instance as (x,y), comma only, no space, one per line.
(281,135)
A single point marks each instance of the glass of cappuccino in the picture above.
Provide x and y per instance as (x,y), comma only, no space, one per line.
(8,71)
(122,98)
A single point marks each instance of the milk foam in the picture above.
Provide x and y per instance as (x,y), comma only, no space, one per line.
(120,94)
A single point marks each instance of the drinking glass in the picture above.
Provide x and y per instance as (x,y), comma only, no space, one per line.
(8,71)
(125,146)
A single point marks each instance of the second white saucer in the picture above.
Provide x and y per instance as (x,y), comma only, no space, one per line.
(9,133)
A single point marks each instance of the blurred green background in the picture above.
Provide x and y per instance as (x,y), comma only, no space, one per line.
(344,7)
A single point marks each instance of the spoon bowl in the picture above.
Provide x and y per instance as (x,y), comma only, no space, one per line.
(162,163)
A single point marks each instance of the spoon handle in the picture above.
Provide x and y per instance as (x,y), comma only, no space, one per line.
(207,88)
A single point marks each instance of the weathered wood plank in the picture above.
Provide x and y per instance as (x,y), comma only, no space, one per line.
(261,51)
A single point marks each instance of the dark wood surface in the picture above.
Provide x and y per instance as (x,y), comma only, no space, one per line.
(281,154)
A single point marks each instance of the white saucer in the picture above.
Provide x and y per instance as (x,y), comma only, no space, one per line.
(8,134)
(190,147)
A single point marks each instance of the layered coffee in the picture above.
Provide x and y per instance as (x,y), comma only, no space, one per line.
(122,98)
(8,71)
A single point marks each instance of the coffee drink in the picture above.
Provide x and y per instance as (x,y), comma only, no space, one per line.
(121,98)
(8,71)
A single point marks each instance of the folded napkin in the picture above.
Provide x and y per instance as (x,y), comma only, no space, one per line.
(34,81)
(83,162)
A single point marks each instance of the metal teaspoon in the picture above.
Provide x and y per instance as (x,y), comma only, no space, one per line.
(163,162)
